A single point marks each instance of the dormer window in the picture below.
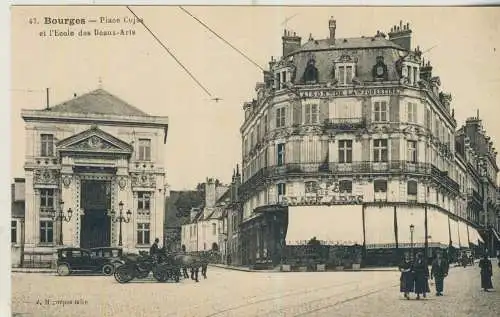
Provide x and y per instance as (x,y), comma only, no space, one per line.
(411,71)
(345,70)
(311,73)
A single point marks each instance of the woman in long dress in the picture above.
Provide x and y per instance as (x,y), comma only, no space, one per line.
(421,276)
(406,279)
(486,273)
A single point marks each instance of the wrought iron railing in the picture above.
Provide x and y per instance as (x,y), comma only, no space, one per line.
(345,124)
(347,169)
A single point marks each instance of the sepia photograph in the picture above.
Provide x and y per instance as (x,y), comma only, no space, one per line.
(226,161)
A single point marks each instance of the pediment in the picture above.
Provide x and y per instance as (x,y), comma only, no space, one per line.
(94,140)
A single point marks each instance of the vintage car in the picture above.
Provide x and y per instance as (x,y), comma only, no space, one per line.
(113,254)
(71,260)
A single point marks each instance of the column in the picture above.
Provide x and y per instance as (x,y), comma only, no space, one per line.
(67,195)
(31,212)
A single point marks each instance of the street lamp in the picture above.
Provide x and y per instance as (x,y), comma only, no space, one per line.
(412,228)
(59,215)
(120,219)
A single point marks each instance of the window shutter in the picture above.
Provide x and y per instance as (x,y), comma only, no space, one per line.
(365,150)
(393,108)
(323,110)
(366,109)
(394,150)
(297,112)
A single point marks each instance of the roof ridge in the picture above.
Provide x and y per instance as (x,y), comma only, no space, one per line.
(100,105)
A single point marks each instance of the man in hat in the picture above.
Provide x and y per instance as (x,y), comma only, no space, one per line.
(420,275)
(439,271)
(154,248)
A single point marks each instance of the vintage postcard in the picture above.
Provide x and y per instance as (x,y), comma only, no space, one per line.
(254,161)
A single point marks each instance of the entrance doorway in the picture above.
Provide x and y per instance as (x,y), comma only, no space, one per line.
(95,230)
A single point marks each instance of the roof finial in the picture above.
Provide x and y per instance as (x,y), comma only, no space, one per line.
(100,82)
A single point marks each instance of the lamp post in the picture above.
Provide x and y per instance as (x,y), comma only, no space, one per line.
(412,228)
(59,215)
(121,218)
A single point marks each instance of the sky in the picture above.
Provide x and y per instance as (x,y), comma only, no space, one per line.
(204,139)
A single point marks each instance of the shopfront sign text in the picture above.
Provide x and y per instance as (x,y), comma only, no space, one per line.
(323,200)
(350,92)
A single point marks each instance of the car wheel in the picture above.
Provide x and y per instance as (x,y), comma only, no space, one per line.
(108,269)
(63,270)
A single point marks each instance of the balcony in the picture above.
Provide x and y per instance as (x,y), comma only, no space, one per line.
(473,196)
(345,124)
(442,177)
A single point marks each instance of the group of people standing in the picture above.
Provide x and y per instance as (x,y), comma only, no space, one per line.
(415,275)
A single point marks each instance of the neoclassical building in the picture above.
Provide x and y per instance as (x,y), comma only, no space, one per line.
(351,141)
(94,160)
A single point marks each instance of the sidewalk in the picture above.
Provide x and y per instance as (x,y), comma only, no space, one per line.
(277,269)
(31,270)
(246,269)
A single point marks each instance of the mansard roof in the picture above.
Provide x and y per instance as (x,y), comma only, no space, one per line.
(94,140)
(97,102)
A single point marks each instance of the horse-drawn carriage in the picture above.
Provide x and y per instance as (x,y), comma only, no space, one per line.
(164,266)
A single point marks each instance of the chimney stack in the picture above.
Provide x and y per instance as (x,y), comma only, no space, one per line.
(401,35)
(332,25)
(291,42)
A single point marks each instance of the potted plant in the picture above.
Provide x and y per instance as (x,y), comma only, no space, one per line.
(356,265)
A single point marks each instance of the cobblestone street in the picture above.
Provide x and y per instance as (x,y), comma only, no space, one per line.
(235,293)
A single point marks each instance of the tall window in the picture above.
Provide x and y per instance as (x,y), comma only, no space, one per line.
(412,112)
(281,189)
(345,186)
(345,74)
(281,154)
(380,189)
(380,113)
(345,151)
(13,231)
(412,151)
(144,201)
(144,150)
(311,114)
(380,150)
(214,229)
(46,231)
(143,233)
(310,187)
(428,118)
(47,145)
(412,191)
(47,198)
(280,117)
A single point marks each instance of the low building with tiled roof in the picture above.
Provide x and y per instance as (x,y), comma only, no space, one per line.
(95,174)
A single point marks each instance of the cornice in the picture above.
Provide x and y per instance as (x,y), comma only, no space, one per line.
(57,117)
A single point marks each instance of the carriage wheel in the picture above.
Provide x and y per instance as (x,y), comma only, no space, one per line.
(160,275)
(122,275)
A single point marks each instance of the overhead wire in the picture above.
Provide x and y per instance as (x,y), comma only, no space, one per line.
(170,53)
(220,37)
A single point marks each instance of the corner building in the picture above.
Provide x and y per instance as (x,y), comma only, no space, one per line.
(351,141)
(91,153)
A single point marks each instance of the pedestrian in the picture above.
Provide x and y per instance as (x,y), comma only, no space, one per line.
(421,276)
(486,273)
(154,248)
(406,279)
(439,271)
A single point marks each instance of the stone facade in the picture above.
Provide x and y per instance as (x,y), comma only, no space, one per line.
(94,140)
(366,116)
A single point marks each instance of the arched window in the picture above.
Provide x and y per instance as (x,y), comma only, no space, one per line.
(311,73)
(215,247)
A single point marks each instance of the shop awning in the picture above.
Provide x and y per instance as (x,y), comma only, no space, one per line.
(331,225)
(496,234)
(474,236)
(455,239)
(437,224)
(379,227)
(462,234)
(405,218)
